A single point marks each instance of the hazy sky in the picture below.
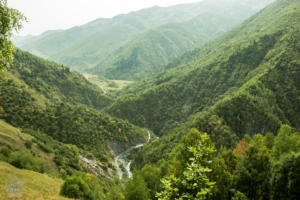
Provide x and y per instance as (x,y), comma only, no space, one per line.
(45,15)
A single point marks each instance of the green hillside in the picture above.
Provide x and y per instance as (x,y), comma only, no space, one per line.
(47,97)
(55,82)
(236,70)
(156,47)
(83,47)
(42,164)
(219,122)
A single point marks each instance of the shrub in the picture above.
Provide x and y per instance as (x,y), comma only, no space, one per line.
(45,148)
(75,187)
(4,153)
(25,160)
(28,144)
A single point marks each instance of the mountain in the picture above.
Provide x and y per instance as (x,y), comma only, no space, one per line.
(105,41)
(56,82)
(243,82)
(43,96)
(153,49)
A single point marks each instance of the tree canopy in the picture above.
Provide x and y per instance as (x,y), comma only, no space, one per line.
(11,20)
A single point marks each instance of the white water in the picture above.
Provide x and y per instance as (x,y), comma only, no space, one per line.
(121,159)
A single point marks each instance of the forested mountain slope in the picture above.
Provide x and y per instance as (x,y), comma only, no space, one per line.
(231,84)
(56,82)
(154,48)
(44,96)
(85,46)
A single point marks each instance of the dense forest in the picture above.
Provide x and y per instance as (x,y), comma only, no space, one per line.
(241,64)
(211,110)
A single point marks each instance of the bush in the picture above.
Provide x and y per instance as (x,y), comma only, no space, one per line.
(4,153)
(45,148)
(25,160)
(28,144)
(285,180)
(75,187)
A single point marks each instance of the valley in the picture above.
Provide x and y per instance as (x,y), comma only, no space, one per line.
(191,101)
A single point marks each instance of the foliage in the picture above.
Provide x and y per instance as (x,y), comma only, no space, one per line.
(285,179)
(25,160)
(252,173)
(136,188)
(248,170)
(194,183)
(75,187)
(286,142)
(228,86)
(245,82)
(241,148)
(56,82)
(151,175)
(10,20)
(73,124)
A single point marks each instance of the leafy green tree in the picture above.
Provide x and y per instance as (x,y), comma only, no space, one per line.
(285,180)
(10,20)
(239,196)
(269,140)
(76,187)
(252,173)
(194,183)
(151,176)
(286,141)
(136,188)
(222,175)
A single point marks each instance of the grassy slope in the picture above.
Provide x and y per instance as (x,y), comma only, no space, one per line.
(217,70)
(16,140)
(156,47)
(43,186)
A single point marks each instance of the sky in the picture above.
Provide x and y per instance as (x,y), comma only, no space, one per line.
(43,15)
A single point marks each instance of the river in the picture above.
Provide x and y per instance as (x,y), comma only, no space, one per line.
(122,159)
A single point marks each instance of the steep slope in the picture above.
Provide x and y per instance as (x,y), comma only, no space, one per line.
(43,187)
(28,101)
(84,46)
(34,153)
(220,72)
(56,82)
(156,47)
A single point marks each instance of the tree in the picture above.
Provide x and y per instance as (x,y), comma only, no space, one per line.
(285,180)
(151,176)
(252,173)
(76,187)
(136,188)
(194,183)
(286,141)
(10,20)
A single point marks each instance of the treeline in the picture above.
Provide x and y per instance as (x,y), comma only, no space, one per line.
(258,167)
